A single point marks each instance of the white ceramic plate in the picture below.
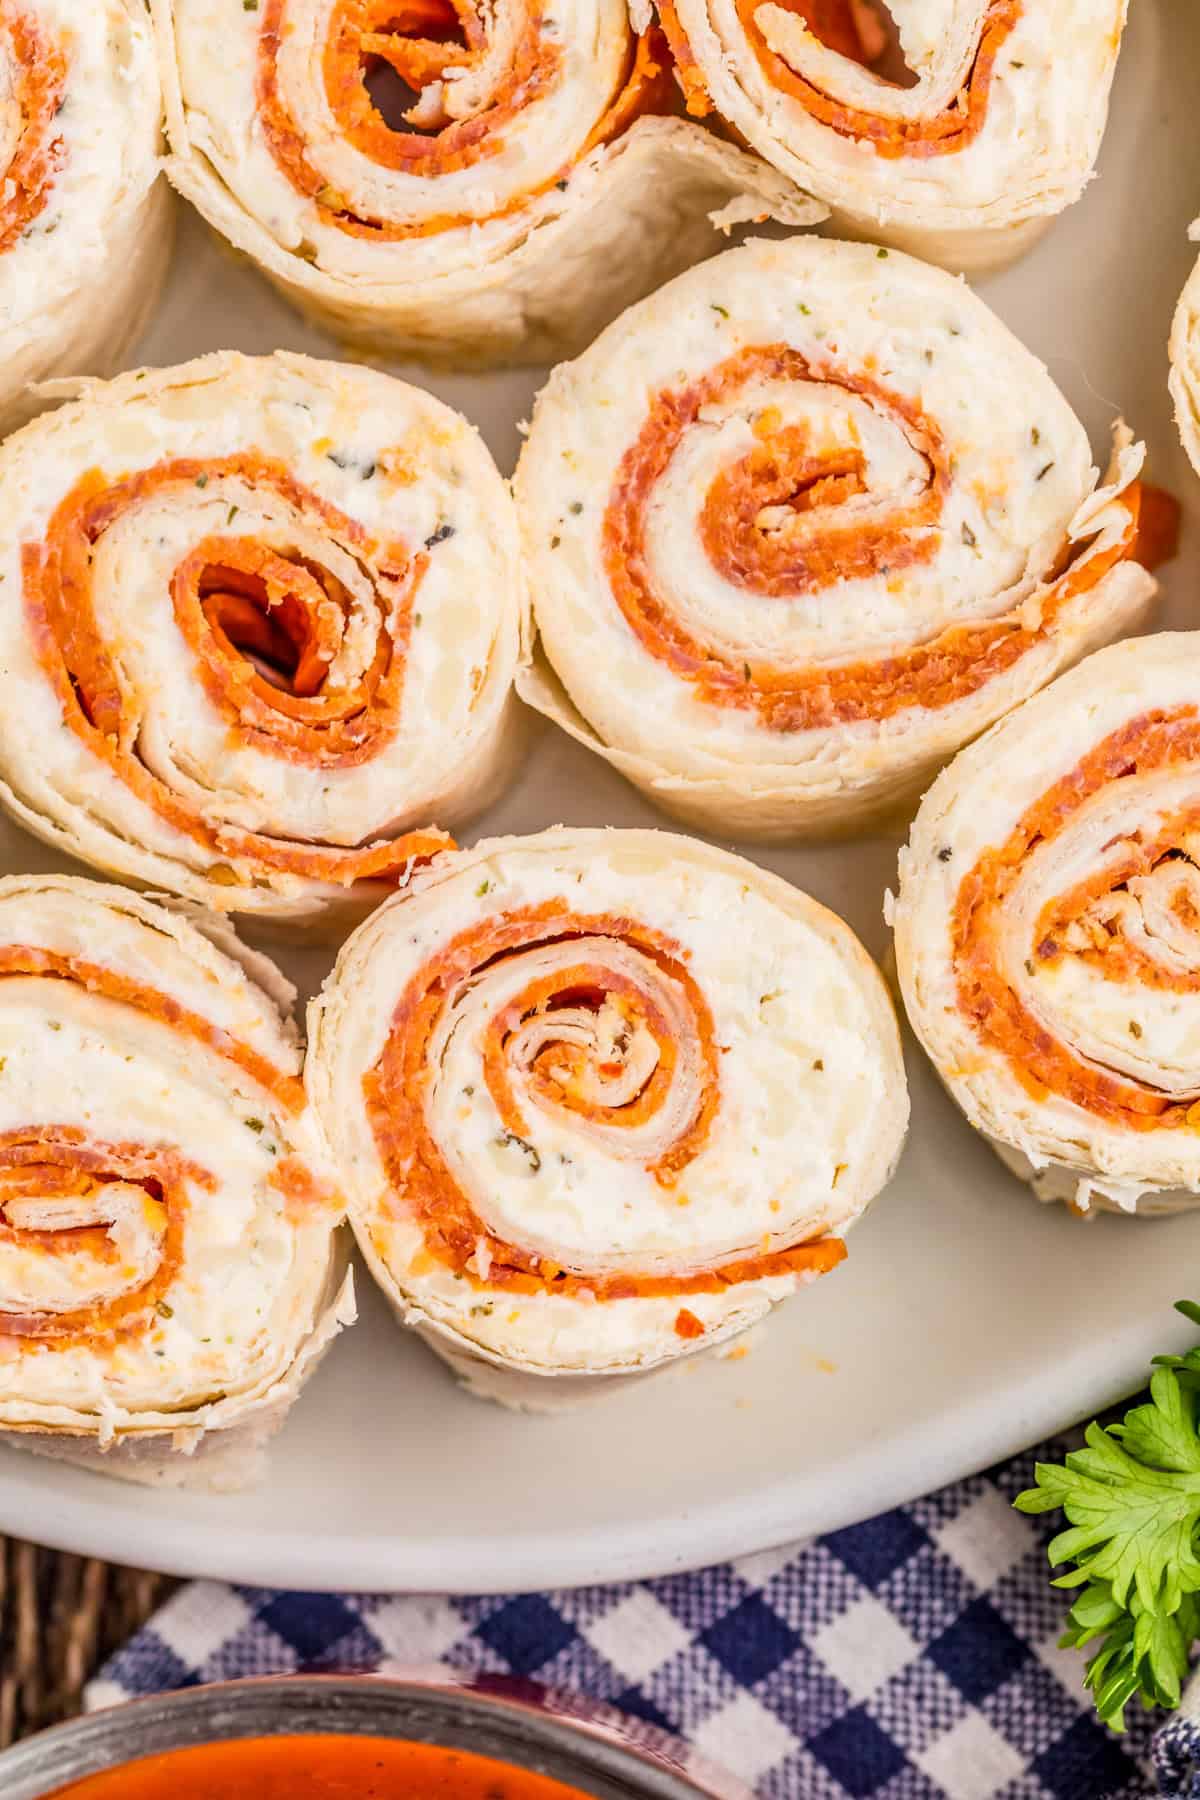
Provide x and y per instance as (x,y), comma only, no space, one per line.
(968,1322)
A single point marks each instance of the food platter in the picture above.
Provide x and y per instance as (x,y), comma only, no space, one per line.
(968,1320)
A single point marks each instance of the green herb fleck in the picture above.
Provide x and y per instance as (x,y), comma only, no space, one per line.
(510,1137)
(202,481)
(163,1310)
(255,1125)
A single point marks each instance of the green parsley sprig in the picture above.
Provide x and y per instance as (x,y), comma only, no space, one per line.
(1132,1501)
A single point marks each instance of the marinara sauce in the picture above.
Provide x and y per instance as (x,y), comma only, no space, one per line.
(317,1767)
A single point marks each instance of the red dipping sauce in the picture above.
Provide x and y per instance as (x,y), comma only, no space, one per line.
(317,1768)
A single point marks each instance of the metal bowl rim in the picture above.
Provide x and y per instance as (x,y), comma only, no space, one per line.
(576,1739)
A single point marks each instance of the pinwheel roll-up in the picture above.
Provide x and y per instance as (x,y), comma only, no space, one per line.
(259,620)
(168,1264)
(1185,363)
(85,226)
(601,1098)
(804,522)
(1048,930)
(952,128)
(465,182)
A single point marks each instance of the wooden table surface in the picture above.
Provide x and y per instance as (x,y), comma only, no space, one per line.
(60,1617)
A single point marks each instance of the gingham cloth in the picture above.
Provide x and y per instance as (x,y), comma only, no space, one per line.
(913,1657)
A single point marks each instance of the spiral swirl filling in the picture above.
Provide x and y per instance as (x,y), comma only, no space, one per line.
(467,74)
(795,517)
(298,627)
(855,29)
(34,73)
(92,1233)
(1077,940)
(592,1019)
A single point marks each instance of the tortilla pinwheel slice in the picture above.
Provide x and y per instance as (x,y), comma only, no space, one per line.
(170,1268)
(467,184)
(259,623)
(1185,364)
(1048,931)
(803,523)
(954,129)
(599,1099)
(85,217)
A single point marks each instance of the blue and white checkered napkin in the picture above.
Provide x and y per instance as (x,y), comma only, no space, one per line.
(911,1658)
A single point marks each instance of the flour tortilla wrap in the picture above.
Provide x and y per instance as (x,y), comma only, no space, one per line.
(530,191)
(259,621)
(800,525)
(957,133)
(599,1099)
(169,1264)
(1185,363)
(85,219)
(1048,930)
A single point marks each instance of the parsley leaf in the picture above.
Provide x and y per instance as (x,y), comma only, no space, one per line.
(1132,1502)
